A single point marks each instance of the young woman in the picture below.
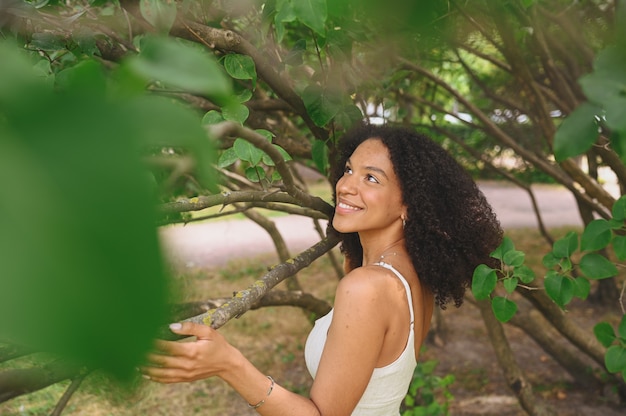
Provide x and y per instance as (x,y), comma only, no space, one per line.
(414,226)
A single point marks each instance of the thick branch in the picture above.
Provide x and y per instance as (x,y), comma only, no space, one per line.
(244,299)
(534,324)
(15,383)
(574,333)
(517,381)
(297,299)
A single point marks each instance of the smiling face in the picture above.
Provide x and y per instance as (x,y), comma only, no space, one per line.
(368,194)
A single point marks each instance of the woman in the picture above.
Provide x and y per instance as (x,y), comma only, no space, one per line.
(414,226)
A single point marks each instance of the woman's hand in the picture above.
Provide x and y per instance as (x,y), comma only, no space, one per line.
(174,362)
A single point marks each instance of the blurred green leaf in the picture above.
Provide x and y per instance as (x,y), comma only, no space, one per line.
(621,329)
(503,248)
(565,246)
(227,158)
(81,261)
(615,359)
(596,236)
(604,333)
(503,308)
(322,105)
(320,155)
(596,266)
(619,247)
(524,273)
(212,117)
(240,66)
(577,132)
(582,287)
(510,284)
(255,173)
(559,288)
(484,281)
(159,13)
(619,209)
(178,65)
(312,13)
(236,112)
(514,258)
(246,151)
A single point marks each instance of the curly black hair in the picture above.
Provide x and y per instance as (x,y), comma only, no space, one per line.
(450,227)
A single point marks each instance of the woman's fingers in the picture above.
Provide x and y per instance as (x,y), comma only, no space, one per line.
(189,328)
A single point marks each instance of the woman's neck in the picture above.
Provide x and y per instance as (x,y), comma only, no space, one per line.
(377,250)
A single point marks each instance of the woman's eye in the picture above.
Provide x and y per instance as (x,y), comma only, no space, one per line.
(372,179)
(347,169)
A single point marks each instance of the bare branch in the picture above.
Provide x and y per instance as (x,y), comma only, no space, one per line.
(244,299)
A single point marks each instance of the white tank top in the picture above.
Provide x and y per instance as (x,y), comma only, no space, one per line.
(389,384)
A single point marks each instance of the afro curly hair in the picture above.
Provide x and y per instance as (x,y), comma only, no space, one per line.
(450,227)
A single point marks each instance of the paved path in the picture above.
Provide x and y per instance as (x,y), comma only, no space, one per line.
(211,244)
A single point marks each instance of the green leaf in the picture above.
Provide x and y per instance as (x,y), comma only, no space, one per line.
(167,123)
(266,133)
(503,248)
(615,112)
(550,261)
(227,158)
(604,333)
(484,281)
(236,112)
(322,105)
(596,266)
(503,308)
(255,173)
(621,329)
(619,209)
(565,246)
(577,133)
(615,359)
(514,258)
(320,155)
(212,117)
(240,66)
(597,235)
(98,258)
(312,13)
(246,151)
(619,247)
(510,284)
(524,273)
(159,13)
(179,65)
(559,288)
(582,287)
(268,160)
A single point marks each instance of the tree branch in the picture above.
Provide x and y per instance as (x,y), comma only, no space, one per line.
(244,299)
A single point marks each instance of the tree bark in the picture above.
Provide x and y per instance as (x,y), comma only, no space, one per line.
(516,380)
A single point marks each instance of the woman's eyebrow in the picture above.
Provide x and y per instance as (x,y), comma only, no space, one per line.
(378,170)
(370,168)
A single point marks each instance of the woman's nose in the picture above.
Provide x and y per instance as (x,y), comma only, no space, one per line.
(346,184)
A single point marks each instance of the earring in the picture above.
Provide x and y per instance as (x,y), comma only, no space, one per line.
(403,221)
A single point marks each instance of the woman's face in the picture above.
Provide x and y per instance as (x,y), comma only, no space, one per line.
(368,194)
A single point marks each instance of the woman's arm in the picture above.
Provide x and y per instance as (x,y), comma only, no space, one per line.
(352,349)
(211,355)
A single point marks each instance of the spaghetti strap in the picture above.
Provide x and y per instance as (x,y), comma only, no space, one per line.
(409,295)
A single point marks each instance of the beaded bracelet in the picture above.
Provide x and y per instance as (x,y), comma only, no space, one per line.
(259,404)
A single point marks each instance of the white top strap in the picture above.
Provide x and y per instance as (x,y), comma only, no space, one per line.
(406,286)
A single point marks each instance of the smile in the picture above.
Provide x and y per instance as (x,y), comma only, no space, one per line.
(345,206)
